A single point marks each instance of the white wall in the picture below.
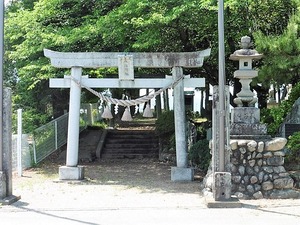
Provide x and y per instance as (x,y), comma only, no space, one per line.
(197,99)
(26,158)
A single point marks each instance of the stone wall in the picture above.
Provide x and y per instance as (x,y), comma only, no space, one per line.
(257,169)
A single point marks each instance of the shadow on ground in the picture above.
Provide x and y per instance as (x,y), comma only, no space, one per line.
(148,175)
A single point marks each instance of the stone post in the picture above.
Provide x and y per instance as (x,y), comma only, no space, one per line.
(7,142)
(6,196)
(71,171)
(4,184)
(221,179)
(181,172)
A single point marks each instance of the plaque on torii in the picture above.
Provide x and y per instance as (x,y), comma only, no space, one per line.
(125,62)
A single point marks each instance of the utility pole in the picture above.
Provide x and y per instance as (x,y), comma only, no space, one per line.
(222,178)
(221,86)
(1,80)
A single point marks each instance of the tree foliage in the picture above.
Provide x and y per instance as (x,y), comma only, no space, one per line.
(293,145)
(281,61)
(124,25)
(275,116)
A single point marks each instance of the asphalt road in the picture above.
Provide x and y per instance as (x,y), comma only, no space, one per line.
(258,212)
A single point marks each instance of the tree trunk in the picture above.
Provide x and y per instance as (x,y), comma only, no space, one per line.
(158,104)
(166,100)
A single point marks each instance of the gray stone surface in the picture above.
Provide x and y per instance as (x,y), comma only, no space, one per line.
(258,137)
(256,169)
(248,129)
(71,173)
(268,185)
(242,170)
(182,174)
(2,185)
(283,183)
(249,115)
(260,146)
(232,202)
(252,146)
(233,145)
(275,161)
(222,190)
(9,200)
(275,144)
(253,179)
(7,141)
(180,122)
(258,195)
(217,161)
(284,194)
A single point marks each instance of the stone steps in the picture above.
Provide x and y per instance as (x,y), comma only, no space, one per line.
(130,143)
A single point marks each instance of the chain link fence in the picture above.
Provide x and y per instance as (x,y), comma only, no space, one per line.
(50,137)
(46,139)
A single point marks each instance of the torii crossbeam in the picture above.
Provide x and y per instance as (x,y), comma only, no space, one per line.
(125,62)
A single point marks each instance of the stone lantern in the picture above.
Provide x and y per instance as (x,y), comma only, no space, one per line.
(256,160)
(245,74)
(245,118)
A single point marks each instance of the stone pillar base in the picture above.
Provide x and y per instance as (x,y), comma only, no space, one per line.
(233,202)
(71,173)
(9,200)
(182,174)
(2,185)
(222,189)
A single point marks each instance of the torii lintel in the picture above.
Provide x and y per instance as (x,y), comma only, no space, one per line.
(142,60)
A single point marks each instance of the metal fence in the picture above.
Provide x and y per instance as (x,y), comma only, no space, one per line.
(53,135)
(48,138)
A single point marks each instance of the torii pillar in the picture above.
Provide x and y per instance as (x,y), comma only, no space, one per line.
(125,62)
(181,172)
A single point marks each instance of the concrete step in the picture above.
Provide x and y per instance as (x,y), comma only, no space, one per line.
(128,156)
(130,151)
(130,141)
(130,144)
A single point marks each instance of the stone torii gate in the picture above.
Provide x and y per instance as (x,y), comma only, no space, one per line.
(125,62)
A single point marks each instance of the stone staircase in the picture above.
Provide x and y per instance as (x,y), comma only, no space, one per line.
(131,140)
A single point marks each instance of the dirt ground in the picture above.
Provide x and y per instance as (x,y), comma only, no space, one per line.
(108,183)
(115,184)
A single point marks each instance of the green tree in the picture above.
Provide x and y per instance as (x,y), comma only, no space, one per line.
(131,25)
(281,62)
(58,25)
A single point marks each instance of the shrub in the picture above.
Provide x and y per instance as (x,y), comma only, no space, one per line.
(165,125)
(98,125)
(293,145)
(274,117)
(165,128)
(199,154)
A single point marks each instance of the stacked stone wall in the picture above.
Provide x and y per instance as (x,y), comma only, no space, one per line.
(257,169)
